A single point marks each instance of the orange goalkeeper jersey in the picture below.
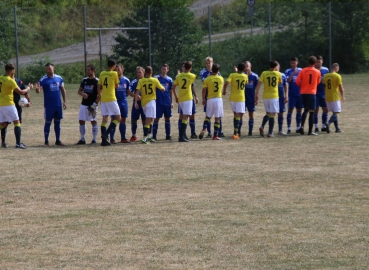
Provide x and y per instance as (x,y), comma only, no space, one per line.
(308,80)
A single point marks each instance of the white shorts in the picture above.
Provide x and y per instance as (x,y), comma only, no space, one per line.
(109,108)
(271,105)
(8,114)
(214,106)
(334,106)
(238,107)
(150,109)
(186,107)
(84,115)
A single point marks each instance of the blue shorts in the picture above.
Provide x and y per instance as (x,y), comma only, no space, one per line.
(282,106)
(295,102)
(250,106)
(53,112)
(193,108)
(309,101)
(136,113)
(161,109)
(320,101)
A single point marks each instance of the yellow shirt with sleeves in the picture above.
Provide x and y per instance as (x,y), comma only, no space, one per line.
(270,79)
(332,81)
(214,84)
(148,86)
(7,86)
(108,80)
(184,81)
(238,83)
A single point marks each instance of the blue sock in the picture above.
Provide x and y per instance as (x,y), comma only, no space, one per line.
(122,129)
(133,127)
(289,120)
(216,128)
(112,133)
(298,120)
(155,129)
(239,127)
(271,125)
(206,123)
(167,128)
(17,133)
(265,120)
(333,118)
(220,126)
(251,124)
(316,119)
(208,127)
(179,126)
(57,129)
(280,122)
(192,126)
(324,118)
(47,130)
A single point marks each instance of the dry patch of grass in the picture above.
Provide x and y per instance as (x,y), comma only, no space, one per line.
(284,203)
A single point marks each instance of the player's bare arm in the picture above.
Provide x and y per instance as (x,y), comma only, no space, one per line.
(203,96)
(194,94)
(38,88)
(286,93)
(174,92)
(225,88)
(340,87)
(136,98)
(63,92)
(82,94)
(257,92)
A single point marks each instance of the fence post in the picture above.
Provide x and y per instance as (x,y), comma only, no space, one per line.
(149,20)
(209,24)
(270,34)
(330,32)
(85,35)
(16,40)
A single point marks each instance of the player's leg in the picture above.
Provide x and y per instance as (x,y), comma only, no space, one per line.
(334,107)
(82,118)
(251,109)
(150,113)
(143,116)
(57,128)
(186,108)
(282,109)
(221,134)
(193,122)
(18,133)
(3,137)
(265,118)
(122,124)
(3,128)
(218,113)
(240,125)
(311,102)
(159,114)
(299,107)
(167,116)
(134,118)
(95,130)
(48,115)
(208,127)
(207,120)
(316,113)
(324,116)
(112,132)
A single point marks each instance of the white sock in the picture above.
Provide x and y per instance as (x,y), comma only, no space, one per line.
(95,130)
(82,130)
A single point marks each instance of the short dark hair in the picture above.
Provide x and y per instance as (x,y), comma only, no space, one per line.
(9,67)
(188,65)
(165,65)
(215,68)
(120,65)
(312,60)
(319,57)
(273,64)
(111,63)
(49,64)
(294,59)
(148,70)
(92,67)
(241,67)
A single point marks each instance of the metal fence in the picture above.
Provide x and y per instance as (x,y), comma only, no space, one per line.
(229,33)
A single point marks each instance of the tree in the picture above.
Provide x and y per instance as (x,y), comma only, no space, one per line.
(174,37)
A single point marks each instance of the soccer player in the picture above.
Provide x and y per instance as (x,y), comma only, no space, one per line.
(320,95)
(121,93)
(52,86)
(308,80)
(136,113)
(8,112)
(184,98)
(164,102)
(238,82)
(333,84)
(108,82)
(294,96)
(16,98)
(283,99)
(147,86)
(88,91)
(212,87)
(206,72)
(271,79)
(253,79)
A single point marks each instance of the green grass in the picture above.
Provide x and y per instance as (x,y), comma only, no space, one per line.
(293,202)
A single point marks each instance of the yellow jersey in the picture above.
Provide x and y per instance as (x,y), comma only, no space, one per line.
(214,84)
(238,83)
(7,86)
(148,86)
(270,79)
(332,81)
(184,81)
(108,81)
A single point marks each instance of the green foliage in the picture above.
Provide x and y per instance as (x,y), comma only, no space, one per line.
(175,38)
(6,34)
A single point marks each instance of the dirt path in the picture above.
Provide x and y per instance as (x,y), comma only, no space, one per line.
(75,53)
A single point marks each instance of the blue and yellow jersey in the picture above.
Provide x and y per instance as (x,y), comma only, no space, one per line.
(184,81)
(332,81)
(270,79)
(108,81)
(238,84)
(7,86)
(214,85)
(148,87)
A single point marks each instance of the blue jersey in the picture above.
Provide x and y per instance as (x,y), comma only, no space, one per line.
(250,87)
(281,85)
(15,94)
(293,89)
(121,91)
(320,88)
(132,88)
(51,88)
(163,98)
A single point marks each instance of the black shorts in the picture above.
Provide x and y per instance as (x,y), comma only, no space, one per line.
(308,101)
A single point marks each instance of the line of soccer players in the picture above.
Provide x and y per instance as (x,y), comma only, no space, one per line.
(308,88)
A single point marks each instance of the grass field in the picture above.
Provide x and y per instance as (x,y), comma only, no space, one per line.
(295,202)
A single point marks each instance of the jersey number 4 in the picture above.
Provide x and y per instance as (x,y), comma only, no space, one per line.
(106,82)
